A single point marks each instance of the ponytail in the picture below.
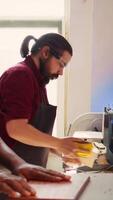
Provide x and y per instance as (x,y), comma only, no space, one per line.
(24,50)
(55,41)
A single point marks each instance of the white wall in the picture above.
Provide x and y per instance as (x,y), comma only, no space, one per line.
(102,65)
(89,28)
(79,33)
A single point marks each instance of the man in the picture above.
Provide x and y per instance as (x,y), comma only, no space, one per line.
(11,184)
(23,90)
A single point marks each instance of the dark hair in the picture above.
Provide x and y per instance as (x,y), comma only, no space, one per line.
(56,42)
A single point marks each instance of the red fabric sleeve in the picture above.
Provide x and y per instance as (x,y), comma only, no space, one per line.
(17,94)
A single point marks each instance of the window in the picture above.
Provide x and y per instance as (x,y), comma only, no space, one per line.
(28,17)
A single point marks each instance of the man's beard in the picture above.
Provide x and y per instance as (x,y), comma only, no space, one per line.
(47,76)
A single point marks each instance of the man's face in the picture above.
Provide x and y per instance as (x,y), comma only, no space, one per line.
(53,67)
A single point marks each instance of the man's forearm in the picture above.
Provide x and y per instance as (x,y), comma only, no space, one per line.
(8,158)
(27,134)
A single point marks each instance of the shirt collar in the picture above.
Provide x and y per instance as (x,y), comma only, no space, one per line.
(30,63)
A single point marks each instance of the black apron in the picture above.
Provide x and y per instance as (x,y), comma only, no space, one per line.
(44,121)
